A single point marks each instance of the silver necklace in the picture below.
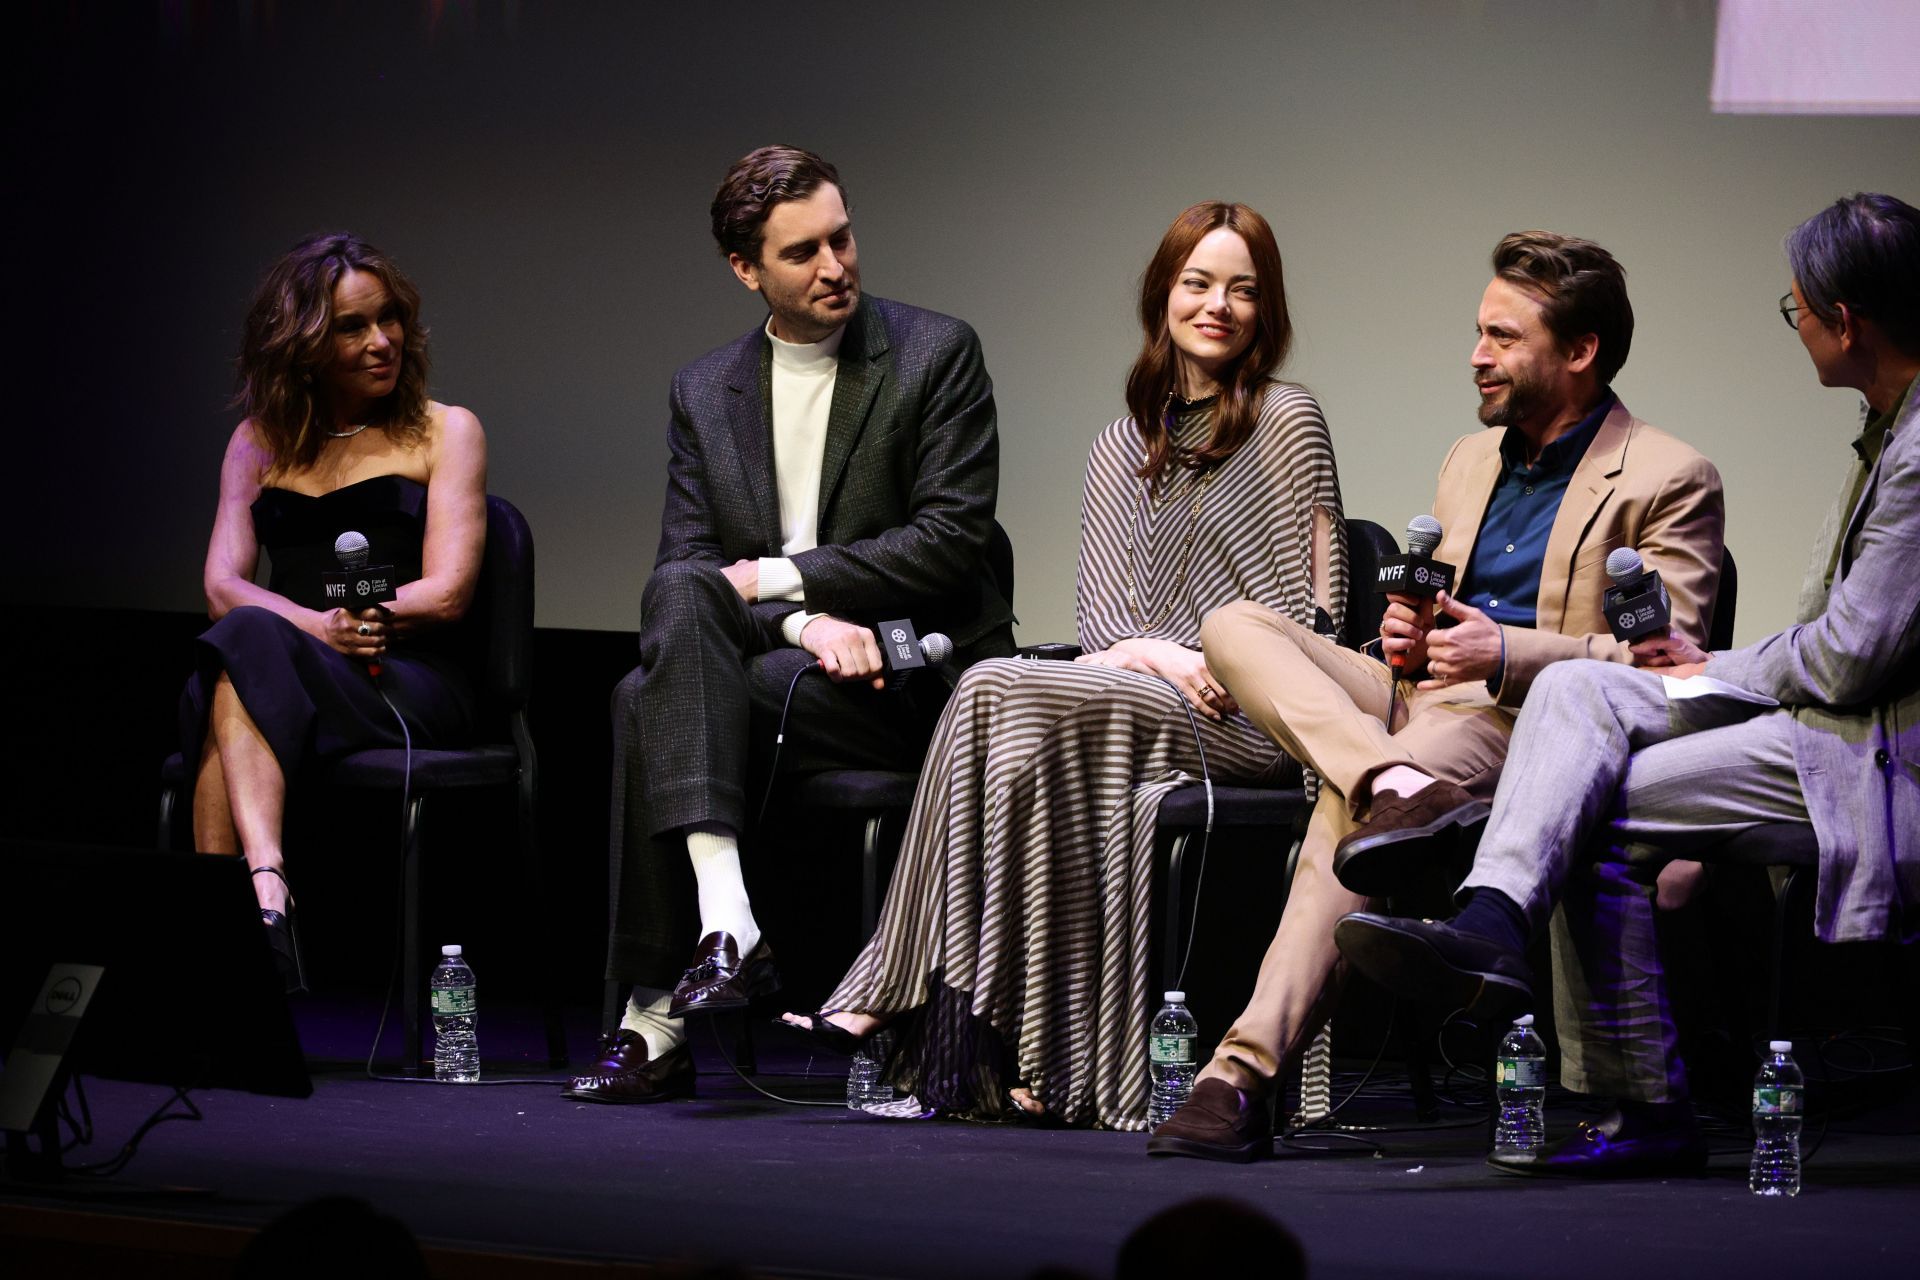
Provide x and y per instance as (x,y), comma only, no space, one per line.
(348,435)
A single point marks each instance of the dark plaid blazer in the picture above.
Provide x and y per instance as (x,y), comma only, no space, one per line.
(907,483)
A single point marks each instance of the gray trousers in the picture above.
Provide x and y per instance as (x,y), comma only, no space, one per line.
(1605,783)
(693,727)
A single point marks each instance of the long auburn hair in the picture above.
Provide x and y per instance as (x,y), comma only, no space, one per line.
(287,346)
(1155,373)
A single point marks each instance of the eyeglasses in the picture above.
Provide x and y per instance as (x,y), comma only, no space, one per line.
(1790,311)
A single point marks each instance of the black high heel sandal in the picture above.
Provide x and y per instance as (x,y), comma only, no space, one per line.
(834,1039)
(281,937)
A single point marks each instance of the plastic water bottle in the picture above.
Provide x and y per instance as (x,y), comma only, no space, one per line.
(1170,1045)
(1520,1081)
(866,1078)
(1779,1097)
(456,1010)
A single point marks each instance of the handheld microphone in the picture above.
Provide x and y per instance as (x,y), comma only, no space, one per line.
(1636,604)
(358,584)
(1416,573)
(904,652)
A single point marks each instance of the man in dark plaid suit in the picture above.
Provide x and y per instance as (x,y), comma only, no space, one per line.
(832,468)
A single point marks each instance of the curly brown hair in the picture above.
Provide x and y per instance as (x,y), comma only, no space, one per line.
(1154,376)
(287,345)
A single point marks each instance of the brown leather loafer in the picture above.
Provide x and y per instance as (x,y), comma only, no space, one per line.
(1649,1142)
(624,1073)
(1219,1122)
(1403,838)
(718,980)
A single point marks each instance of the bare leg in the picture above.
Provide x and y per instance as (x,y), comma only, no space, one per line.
(256,791)
(1291,998)
(212,817)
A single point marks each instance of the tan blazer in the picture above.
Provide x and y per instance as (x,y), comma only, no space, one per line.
(1636,487)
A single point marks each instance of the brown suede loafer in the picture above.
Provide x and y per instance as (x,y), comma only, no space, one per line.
(718,980)
(1403,838)
(1219,1122)
(625,1073)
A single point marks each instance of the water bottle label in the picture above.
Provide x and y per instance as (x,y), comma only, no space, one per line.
(1520,1073)
(1775,1100)
(453,1001)
(1170,1050)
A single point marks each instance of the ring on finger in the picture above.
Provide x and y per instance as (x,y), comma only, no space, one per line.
(365,630)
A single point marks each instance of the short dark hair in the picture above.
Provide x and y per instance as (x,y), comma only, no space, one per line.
(758,181)
(1581,288)
(1864,251)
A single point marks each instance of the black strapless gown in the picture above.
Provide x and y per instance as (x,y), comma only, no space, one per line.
(311,702)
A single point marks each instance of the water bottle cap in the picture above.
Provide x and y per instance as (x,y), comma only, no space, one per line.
(1780,1046)
(1175,997)
(451,949)
(1524,1020)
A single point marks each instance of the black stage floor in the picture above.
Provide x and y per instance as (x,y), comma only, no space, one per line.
(732,1177)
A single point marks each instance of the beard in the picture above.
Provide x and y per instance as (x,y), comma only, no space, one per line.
(1524,395)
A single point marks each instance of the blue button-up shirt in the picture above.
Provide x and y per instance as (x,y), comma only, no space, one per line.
(1503,574)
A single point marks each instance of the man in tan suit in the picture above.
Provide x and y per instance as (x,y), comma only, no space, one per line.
(1529,515)
(1813,731)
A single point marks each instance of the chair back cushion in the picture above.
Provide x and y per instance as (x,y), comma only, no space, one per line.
(499,623)
(1724,599)
(1367,545)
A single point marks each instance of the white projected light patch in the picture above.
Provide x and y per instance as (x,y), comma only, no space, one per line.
(1817,57)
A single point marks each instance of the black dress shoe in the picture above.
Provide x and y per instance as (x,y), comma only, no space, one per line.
(281,938)
(624,1073)
(1405,839)
(1219,1122)
(1436,964)
(718,980)
(1648,1142)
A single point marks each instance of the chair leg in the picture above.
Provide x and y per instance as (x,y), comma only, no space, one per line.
(1413,1040)
(413,1058)
(1172,892)
(1782,903)
(870,873)
(613,1000)
(549,962)
(743,1054)
(169,800)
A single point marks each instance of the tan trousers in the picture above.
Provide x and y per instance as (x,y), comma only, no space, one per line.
(1327,706)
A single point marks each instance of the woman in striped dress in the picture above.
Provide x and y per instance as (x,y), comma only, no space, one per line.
(1015,931)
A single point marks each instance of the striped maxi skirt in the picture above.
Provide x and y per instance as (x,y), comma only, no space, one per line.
(1016,930)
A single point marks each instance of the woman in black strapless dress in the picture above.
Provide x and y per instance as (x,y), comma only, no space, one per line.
(339,436)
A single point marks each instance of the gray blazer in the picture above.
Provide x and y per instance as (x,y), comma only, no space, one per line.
(907,484)
(1851,678)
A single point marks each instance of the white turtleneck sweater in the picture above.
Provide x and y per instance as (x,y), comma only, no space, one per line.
(803,379)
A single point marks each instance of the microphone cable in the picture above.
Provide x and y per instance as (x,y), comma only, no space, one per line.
(779,739)
(1206,832)
(400,928)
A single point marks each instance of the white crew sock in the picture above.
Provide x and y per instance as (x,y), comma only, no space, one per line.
(647,1014)
(715,852)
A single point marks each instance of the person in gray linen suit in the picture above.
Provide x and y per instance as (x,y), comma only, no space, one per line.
(1818,723)
(832,468)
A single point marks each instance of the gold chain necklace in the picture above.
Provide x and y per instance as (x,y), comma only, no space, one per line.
(1186,550)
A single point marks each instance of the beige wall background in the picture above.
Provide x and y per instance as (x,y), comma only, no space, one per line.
(544,172)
